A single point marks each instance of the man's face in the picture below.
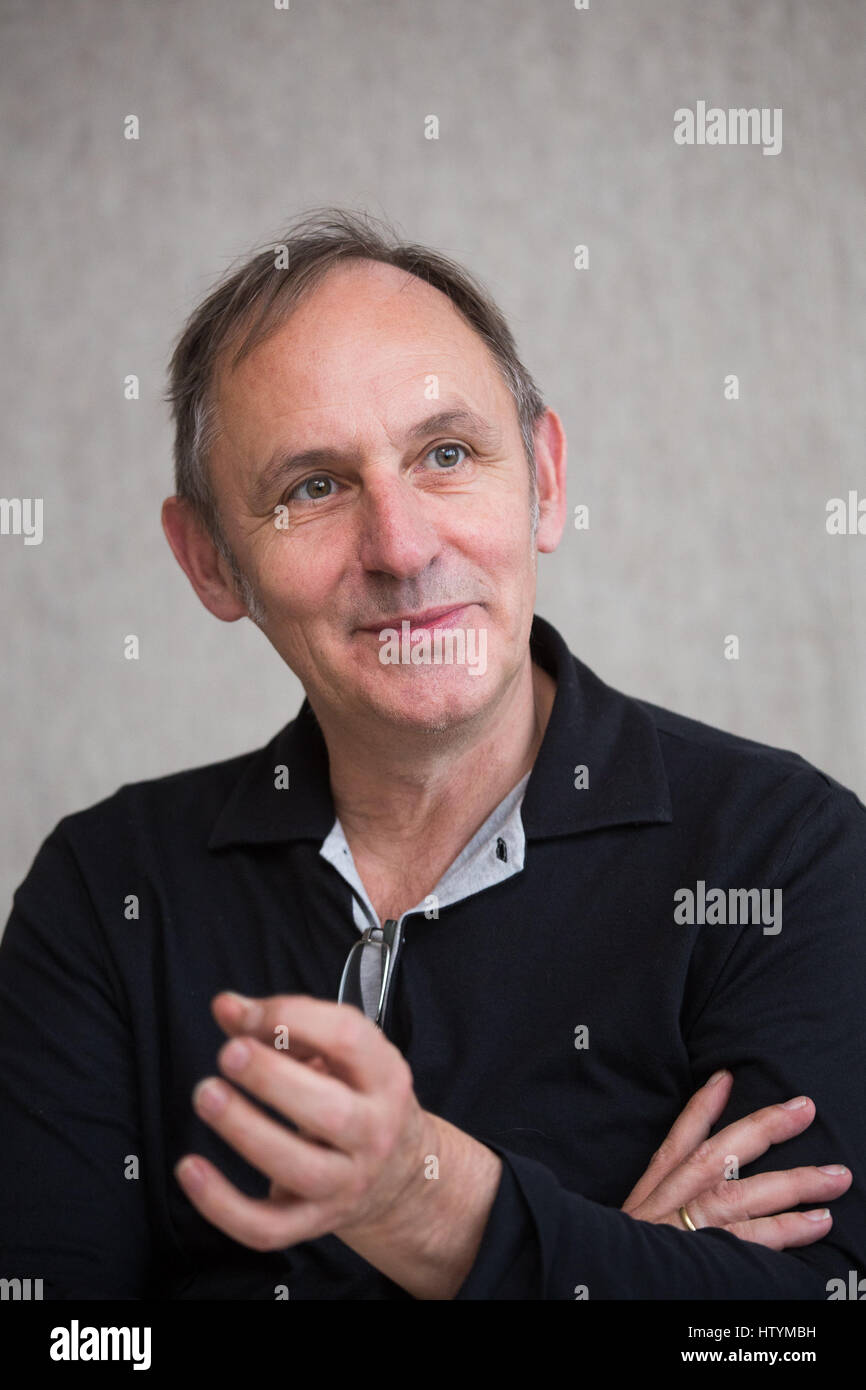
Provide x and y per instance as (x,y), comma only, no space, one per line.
(389,513)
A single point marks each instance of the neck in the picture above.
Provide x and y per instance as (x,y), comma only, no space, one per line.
(394,794)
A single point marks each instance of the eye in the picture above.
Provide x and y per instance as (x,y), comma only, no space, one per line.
(448,449)
(313,481)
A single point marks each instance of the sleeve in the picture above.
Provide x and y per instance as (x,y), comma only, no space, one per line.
(785,1013)
(72,1210)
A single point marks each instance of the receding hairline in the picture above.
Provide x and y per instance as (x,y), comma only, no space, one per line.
(261,323)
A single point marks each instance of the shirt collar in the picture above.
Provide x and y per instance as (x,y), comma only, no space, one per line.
(494,853)
(591,725)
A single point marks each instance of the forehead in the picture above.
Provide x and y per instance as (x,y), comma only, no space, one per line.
(367,337)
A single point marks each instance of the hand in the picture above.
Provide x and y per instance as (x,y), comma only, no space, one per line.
(361,1137)
(689,1170)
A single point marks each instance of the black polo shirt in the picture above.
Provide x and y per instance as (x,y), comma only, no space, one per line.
(563,1015)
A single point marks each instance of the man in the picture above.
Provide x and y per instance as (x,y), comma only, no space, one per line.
(559,908)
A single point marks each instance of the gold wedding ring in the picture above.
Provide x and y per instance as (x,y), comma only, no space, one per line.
(687,1220)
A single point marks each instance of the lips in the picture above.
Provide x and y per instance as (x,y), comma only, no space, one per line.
(429,617)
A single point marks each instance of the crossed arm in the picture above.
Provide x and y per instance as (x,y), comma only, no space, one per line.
(360,1162)
(410,1192)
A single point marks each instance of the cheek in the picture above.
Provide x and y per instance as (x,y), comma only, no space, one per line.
(491,527)
(502,545)
(297,577)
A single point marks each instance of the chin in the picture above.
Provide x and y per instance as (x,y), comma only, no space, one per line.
(420,701)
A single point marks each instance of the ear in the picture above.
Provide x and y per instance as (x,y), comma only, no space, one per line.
(550,468)
(200,560)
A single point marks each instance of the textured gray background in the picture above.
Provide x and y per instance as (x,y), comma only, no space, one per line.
(707,516)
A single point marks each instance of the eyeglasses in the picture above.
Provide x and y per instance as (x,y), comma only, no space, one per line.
(369,961)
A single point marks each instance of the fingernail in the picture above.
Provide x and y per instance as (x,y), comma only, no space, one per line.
(820,1214)
(796,1104)
(190,1171)
(236,1055)
(210,1096)
(834,1169)
(252,1010)
(717,1076)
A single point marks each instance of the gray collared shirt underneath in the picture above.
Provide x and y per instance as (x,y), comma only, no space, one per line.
(495,852)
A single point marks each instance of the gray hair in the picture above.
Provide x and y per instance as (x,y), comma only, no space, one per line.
(255,299)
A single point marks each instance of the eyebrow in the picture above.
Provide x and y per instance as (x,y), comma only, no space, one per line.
(282,466)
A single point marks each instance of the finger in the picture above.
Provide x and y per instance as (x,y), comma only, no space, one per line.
(261,1223)
(315,1101)
(784,1232)
(689,1130)
(742,1141)
(353,1047)
(745,1199)
(231,1010)
(311,1171)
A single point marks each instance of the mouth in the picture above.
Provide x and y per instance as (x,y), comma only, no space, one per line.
(428,618)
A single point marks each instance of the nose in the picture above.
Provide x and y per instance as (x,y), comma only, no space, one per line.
(397,533)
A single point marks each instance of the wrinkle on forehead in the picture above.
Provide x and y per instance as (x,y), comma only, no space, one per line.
(372,298)
(315,363)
